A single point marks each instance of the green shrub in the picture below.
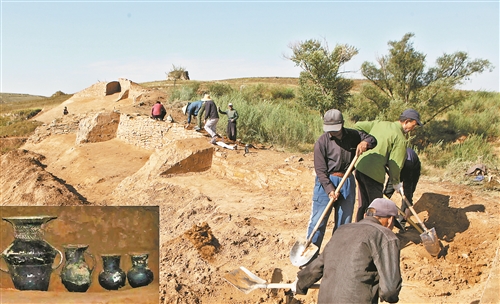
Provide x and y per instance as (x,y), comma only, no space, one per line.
(21,128)
(185,92)
(476,115)
(281,92)
(218,89)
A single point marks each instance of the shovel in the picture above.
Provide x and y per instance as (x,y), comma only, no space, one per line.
(245,281)
(302,252)
(429,237)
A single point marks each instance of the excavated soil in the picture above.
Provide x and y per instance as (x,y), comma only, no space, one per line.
(247,209)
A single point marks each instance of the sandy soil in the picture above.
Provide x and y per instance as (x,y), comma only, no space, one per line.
(247,210)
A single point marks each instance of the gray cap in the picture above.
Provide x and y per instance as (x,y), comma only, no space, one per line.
(385,208)
(333,121)
(411,114)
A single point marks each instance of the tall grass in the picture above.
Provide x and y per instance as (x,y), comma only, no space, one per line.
(478,114)
(272,122)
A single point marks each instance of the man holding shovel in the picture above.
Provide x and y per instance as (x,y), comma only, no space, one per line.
(333,153)
(360,263)
(390,152)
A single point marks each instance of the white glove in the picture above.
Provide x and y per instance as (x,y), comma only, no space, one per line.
(293,286)
(398,187)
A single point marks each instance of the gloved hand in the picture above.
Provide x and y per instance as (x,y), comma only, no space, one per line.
(293,287)
(398,187)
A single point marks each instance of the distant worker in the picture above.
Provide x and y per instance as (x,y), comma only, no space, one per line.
(192,109)
(158,111)
(390,151)
(410,174)
(360,263)
(211,118)
(232,116)
(65,111)
(199,118)
(333,153)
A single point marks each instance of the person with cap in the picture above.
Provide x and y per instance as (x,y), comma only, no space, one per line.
(333,153)
(360,263)
(158,111)
(410,174)
(390,151)
(211,118)
(232,116)
(192,109)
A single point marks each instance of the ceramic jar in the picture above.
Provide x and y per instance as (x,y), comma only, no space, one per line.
(29,257)
(76,275)
(111,277)
(140,274)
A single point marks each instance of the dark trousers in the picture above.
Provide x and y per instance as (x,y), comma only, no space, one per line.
(231,130)
(368,190)
(409,177)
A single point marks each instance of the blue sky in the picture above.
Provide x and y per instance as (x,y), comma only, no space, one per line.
(49,46)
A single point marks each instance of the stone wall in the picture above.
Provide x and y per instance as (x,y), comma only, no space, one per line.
(147,133)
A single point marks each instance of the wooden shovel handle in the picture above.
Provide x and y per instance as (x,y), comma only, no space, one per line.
(405,200)
(330,203)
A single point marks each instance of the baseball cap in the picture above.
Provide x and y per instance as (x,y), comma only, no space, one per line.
(333,121)
(411,114)
(385,208)
(230,105)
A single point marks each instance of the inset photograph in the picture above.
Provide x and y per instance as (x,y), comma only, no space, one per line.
(75,254)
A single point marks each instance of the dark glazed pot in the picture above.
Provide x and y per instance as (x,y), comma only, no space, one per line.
(76,275)
(140,274)
(111,277)
(29,257)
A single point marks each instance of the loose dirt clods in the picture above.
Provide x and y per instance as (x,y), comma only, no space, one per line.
(203,240)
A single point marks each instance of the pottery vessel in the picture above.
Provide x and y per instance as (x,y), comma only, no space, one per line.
(140,274)
(76,275)
(29,257)
(111,277)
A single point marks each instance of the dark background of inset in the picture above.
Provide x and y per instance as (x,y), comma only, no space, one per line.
(107,230)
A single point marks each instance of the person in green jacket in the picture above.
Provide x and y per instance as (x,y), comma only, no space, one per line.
(232,116)
(390,151)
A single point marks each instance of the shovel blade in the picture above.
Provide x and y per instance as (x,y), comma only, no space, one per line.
(244,280)
(431,242)
(300,255)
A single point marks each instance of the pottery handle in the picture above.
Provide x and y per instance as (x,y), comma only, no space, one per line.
(6,271)
(60,261)
(93,259)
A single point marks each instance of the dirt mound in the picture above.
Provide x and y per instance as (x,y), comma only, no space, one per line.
(26,182)
(203,240)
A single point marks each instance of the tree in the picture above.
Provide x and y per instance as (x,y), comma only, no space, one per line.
(322,86)
(177,72)
(400,80)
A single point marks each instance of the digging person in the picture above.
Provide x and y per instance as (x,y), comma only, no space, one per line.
(390,151)
(410,174)
(360,263)
(333,153)
(192,109)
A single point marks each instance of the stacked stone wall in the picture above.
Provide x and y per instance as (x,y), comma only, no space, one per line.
(150,134)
